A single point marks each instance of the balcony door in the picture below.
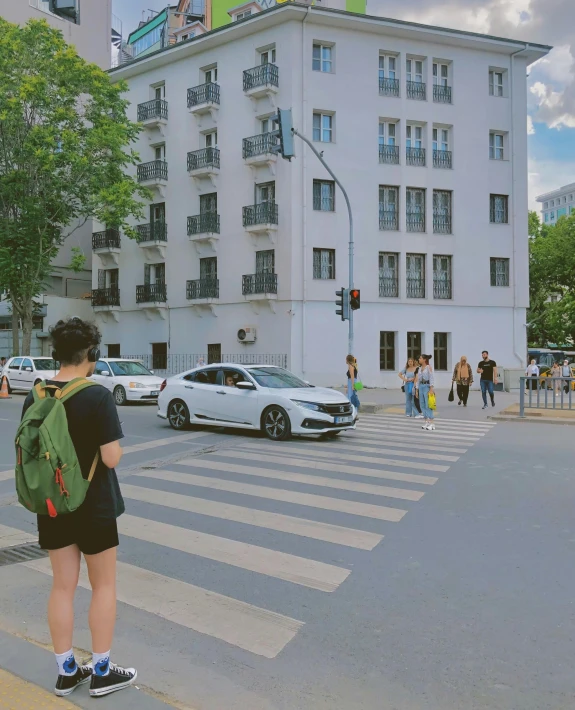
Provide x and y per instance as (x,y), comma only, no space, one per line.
(265,261)
(154,274)
(209,268)
(209,203)
(265,192)
(158,212)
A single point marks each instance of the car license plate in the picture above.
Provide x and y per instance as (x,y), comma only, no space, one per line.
(343,420)
(156,393)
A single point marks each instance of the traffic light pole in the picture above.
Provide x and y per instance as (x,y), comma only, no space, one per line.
(319,156)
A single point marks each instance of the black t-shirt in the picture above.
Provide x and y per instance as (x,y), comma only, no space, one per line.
(487,367)
(93,421)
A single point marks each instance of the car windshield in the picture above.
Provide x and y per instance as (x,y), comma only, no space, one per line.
(276,377)
(44,363)
(129,367)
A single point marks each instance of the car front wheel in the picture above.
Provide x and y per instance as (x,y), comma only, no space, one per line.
(120,396)
(178,415)
(276,424)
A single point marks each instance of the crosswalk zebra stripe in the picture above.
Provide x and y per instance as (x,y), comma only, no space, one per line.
(326,532)
(304,461)
(367,459)
(13,536)
(374,439)
(281,565)
(364,510)
(320,481)
(416,424)
(6,475)
(249,627)
(336,446)
(454,422)
(418,433)
(176,439)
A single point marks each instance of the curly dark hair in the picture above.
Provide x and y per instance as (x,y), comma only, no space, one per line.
(72,338)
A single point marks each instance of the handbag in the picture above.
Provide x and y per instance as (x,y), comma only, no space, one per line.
(403,388)
(431,402)
(451,397)
(358,385)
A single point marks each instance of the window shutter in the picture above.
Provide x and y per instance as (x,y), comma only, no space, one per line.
(101,278)
(147,274)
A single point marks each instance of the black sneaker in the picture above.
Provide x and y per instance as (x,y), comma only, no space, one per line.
(493,404)
(117,679)
(67,684)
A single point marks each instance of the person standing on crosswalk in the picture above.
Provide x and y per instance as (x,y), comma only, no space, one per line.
(91,529)
(408,377)
(425,382)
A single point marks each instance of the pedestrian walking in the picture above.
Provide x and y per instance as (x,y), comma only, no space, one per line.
(424,384)
(487,368)
(532,372)
(91,529)
(352,378)
(555,375)
(463,378)
(408,377)
(566,372)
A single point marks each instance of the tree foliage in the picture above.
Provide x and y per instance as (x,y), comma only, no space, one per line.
(552,281)
(64,152)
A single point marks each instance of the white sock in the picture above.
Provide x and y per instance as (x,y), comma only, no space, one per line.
(101,663)
(66,663)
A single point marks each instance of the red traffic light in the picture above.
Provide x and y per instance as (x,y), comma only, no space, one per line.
(354,299)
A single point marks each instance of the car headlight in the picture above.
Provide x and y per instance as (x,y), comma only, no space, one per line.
(137,385)
(308,405)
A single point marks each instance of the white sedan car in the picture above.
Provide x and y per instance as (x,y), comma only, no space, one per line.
(128,380)
(258,397)
(23,373)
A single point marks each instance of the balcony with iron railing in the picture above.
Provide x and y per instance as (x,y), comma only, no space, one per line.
(259,284)
(261,80)
(106,239)
(153,112)
(388,286)
(260,148)
(389,154)
(263,216)
(416,90)
(204,98)
(415,156)
(441,287)
(389,87)
(415,222)
(153,173)
(205,223)
(441,94)
(415,287)
(151,293)
(152,232)
(388,219)
(202,289)
(104,298)
(442,223)
(204,162)
(442,159)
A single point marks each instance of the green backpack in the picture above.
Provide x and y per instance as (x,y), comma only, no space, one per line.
(49,480)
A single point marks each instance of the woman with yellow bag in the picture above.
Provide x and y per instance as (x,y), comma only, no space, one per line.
(425,382)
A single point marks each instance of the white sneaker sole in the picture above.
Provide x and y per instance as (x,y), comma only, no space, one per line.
(64,693)
(113,688)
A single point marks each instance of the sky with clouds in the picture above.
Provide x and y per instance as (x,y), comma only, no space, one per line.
(551,82)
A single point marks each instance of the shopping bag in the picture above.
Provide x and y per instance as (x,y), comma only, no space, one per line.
(451,395)
(431,403)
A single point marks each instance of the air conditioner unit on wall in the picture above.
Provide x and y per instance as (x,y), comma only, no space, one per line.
(247,334)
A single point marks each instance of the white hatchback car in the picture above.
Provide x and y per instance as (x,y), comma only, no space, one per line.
(259,397)
(23,373)
(128,380)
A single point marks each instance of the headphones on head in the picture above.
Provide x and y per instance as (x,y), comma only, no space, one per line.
(93,354)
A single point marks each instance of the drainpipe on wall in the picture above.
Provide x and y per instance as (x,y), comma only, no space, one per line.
(304,192)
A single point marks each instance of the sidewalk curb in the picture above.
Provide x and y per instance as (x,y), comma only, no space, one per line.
(531,420)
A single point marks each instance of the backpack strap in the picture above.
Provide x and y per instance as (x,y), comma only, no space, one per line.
(73,387)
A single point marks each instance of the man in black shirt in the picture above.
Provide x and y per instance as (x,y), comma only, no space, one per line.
(488,370)
(90,530)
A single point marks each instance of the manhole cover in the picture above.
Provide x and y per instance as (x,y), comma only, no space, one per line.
(21,553)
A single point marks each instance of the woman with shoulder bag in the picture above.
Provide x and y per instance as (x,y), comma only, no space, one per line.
(463,378)
(352,378)
(408,377)
(425,385)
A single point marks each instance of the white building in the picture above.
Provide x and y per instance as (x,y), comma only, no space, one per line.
(426,129)
(557,203)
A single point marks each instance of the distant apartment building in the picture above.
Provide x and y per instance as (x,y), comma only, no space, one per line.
(242,252)
(557,203)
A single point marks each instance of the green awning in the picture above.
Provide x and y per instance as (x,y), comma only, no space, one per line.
(148,27)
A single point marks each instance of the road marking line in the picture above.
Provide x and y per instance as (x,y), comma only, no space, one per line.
(260,518)
(351,437)
(364,510)
(436,436)
(366,459)
(320,481)
(303,461)
(409,427)
(249,627)
(12,536)
(281,565)
(460,422)
(337,446)
(6,475)
(177,439)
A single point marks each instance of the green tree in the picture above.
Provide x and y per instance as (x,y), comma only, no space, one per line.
(64,156)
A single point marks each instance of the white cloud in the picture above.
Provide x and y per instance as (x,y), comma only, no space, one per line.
(530,126)
(547,175)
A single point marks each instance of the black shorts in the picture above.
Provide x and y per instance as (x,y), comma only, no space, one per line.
(64,530)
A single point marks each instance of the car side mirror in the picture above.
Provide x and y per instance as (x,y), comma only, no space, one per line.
(27,369)
(245,386)
(104,373)
(152,372)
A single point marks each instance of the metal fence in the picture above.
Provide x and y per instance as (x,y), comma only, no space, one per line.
(173,364)
(546,393)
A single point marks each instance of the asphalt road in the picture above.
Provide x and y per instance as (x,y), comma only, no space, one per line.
(392,569)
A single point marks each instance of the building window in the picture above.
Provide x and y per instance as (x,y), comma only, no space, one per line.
(242,15)
(499,272)
(440,351)
(160,356)
(415,275)
(323,127)
(160,152)
(441,152)
(415,209)
(546,206)
(322,58)
(496,146)
(413,346)
(324,263)
(209,268)
(498,209)
(552,216)
(388,275)
(209,203)
(388,207)
(442,212)
(265,192)
(214,353)
(114,350)
(265,261)
(442,277)
(268,56)
(150,39)
(495,83)
(210,75)
(415,152)
(387,350)
(546,216)
(388,148)
(324,195)
(414,69)
(441,88)
(388,75)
